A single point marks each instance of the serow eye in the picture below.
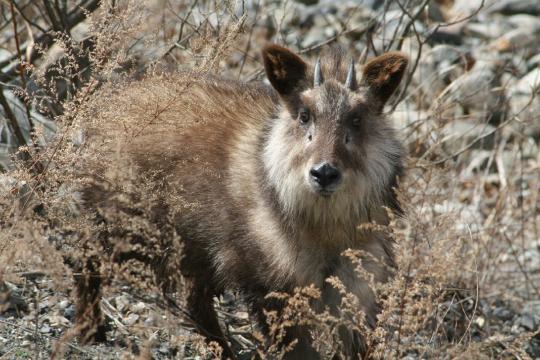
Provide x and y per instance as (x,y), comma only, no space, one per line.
(303,116)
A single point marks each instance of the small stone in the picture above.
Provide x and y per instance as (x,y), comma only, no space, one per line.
(529,83)
(528,322)
(503,314)
(10,298)
(463,8)
(242,315)
(33,275)
(131,319)
(314,36)
(138,307)
(489,30)
(45,329)
(27,343)
(308,2)
(410,357)
(63,304)
(4,54)
(150,321)
(121,302)
(533,347)
(480,321)
(461,133)
(516,39)
(509,7)
(58,321)
(474,89)
(532,307)
(44,305)
(164,349)
(69,312)
(534,61)
(449,35)
(524,21)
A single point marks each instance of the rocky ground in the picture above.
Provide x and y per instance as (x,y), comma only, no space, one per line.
(472,98)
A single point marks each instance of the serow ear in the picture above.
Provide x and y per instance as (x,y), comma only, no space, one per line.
(383,74)
(285,70)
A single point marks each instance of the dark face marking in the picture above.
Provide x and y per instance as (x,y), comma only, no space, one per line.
(333,123)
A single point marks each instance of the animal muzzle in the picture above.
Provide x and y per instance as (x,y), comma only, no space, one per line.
(324,178)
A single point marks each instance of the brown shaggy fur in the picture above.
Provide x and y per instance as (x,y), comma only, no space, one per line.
(230,161)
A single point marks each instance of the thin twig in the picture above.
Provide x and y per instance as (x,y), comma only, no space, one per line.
(14,124)
(23,15)
(520,265)
(248,44)
(52,16)
(22,71)
(75,17)
(482,136)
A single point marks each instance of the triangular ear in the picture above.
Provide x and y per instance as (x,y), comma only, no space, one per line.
(285,70)
(383,74)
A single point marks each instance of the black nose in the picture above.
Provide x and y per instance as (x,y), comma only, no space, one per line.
(325,174)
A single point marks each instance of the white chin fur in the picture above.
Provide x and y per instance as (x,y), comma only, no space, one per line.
(297,196)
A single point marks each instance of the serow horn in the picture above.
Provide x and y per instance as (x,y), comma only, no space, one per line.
(350,83)
(317,76)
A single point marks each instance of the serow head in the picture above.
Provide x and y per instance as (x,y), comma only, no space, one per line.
(331,133)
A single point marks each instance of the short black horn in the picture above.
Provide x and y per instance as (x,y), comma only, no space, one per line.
(350,83)
(317,76)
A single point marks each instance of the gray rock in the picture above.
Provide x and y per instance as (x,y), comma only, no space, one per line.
(486,30)
(19,111)
(519,39)
(371,4)
(10,297)
(44,305)
(315,36)
(503,313)
(522,102)
(131,319)
(529,114)
(509,7)
(517,64)
(477,90)
(45,329)
(444,55)
(308,2)
(452,35)
(69,312)
(435,13)
(529,84)
(531,257)
(464,8)
(524,21)
(534,61)
(532,307)
(528,322)
(121,302)
(63,304)
(533,348)
(437,68)
(164,348)
(469,216)
(138,307)
(5,54)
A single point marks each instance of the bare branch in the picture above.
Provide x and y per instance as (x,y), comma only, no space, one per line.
(14,124)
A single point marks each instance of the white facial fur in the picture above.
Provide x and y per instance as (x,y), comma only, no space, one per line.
(360,188)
